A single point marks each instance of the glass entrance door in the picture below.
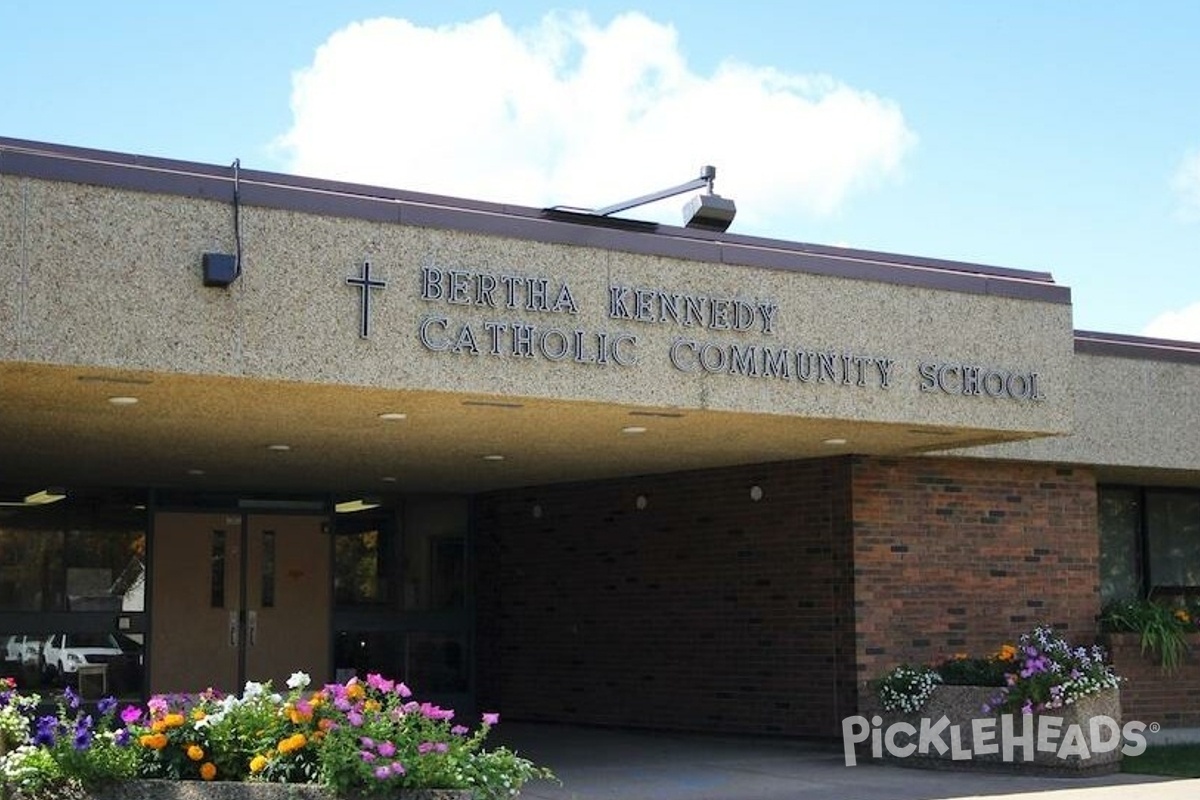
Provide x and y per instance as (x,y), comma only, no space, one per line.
(238,597)
(402,599)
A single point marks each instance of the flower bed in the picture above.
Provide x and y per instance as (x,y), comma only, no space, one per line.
(1049,708)
(358,739)
(973,738)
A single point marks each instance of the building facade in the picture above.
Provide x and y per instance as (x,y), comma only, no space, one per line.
(573,468)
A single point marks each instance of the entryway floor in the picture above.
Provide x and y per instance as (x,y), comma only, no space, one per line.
(614,764)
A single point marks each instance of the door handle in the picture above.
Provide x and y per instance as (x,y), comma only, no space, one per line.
(233,629)
(252,627)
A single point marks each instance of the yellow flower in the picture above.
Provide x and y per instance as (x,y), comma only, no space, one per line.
(1006,653)
(372,705)
(258,764)
(173,720)
(208,770)
(1182,615)
(195,752)
(291,743)
(198,714)
(355,691)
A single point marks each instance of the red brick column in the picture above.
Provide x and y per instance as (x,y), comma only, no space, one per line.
(959,556)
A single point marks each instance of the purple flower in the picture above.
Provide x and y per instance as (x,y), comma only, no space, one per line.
(383,773)
(47,727)
(366,755)
(130,714)
(106,705)
(83,733)
(355,719)
(367,742)
(387,749)
(71,698)
(377,681)
(424,747)
(122,737)
(459,730)
(397,768)
(403,690)
(491,718)
(430,711)
(1027,709)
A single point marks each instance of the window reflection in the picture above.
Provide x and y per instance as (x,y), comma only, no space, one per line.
(64,558)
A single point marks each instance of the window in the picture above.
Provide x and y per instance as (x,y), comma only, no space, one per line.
(1149,541)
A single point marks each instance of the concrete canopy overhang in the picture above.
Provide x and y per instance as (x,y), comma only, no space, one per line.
(60,428)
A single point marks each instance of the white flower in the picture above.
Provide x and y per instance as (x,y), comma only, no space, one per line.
(299,680)
(253,689)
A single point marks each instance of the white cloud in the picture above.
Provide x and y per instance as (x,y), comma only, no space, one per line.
(1187,185)
(1183,324)
(572,113)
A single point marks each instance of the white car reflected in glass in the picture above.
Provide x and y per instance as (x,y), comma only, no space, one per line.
(65,653)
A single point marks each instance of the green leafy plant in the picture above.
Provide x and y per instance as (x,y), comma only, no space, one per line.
(64,754)
(1162,628)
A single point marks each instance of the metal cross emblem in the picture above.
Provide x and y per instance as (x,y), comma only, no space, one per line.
(365,284)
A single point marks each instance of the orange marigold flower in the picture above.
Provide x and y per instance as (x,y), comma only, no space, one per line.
(372,705)
(1182,615)
(158,725)
(173,720)
(195,752)
(292,743)
(325,724)
(155,741)
(1007,653)
(258,764)
(208,770)
(355,691)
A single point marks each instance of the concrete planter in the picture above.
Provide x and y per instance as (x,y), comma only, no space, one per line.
(231,790)
(1070,741)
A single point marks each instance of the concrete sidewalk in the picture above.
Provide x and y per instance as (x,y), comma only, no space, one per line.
(607,764)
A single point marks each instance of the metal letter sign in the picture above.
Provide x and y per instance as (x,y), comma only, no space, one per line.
(365,284)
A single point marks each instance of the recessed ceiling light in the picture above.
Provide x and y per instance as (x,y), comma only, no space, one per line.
(279,448)
(493,457)
(195,471)
(834,442)
(123,400)
(388,479)
(392,416)
(633,429)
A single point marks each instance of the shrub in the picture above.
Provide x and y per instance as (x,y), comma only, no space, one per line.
(1161,627)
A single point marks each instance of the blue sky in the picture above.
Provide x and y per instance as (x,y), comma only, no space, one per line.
(1055,136)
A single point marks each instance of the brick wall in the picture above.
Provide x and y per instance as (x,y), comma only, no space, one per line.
(957,555)
(705,610)
(1149,694)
